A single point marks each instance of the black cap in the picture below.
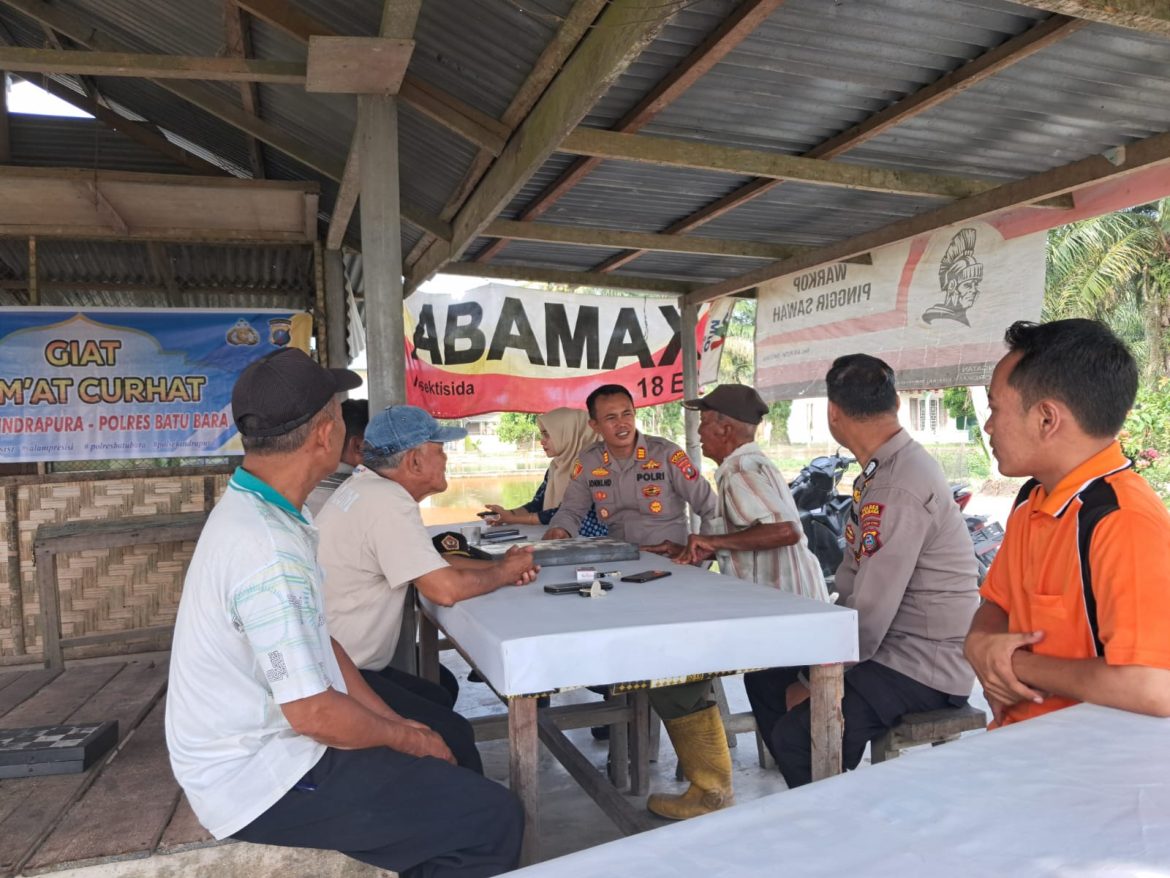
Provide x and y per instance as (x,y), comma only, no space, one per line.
(281,391)
(734,400)
(451,543)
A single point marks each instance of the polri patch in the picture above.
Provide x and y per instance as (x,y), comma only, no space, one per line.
(871,541)
(656,507)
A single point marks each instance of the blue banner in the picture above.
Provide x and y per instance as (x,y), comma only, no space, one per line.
(101,384)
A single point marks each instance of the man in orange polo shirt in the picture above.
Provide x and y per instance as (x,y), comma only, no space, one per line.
(1073,610)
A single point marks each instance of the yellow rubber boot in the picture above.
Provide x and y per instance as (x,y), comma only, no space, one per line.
(701,745)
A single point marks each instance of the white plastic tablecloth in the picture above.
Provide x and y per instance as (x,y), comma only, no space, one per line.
(526,641)
(1081,792)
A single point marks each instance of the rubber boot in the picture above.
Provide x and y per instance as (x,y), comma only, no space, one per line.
(701,745)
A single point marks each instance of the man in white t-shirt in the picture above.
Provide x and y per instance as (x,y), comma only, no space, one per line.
(374,545)
(356,414)
(273,734)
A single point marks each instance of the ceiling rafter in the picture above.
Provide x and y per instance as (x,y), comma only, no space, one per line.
(238,37)
(671,152)
(622,32)
(617,238)
(582,14)
(1040,36)
(1151,152)
(748,16)
(502,271)
(441,107)
(84,33)
(1148,16)
(139,132)
(151,66)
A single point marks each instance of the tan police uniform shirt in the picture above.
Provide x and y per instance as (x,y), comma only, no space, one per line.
(909,568)
(642,499)
(373,545)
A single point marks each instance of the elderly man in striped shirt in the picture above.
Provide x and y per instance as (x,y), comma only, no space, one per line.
(756,535)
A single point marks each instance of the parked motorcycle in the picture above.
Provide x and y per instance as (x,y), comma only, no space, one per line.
(823,509)
(986,535)
(824,513)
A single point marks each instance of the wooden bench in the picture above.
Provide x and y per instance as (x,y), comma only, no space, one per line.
(107,534)
(933,727)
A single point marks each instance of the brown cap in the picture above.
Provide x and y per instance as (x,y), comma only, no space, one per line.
(734,400)
(281,391)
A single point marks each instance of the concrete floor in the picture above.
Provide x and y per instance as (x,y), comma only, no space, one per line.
(571,821)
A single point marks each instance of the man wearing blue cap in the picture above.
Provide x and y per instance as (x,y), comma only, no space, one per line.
(374,545)
(272,732)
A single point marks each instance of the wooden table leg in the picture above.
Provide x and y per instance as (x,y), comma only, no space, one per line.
(640,742)
(523,747)
(619,749)
(428,649)
(826,723)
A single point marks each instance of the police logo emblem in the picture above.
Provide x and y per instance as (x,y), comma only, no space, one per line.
(656,507)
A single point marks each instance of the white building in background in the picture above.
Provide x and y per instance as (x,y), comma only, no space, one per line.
(922,413)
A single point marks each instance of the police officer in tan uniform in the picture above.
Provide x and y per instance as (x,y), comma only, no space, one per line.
(640,484)
(909,571)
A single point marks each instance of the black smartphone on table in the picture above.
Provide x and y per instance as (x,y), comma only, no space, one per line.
(646,576)
(572,587)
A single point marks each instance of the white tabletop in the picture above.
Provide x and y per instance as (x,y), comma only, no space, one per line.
(1077,793)
(525,641)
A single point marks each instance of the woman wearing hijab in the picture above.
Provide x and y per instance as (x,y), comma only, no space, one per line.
(563,434)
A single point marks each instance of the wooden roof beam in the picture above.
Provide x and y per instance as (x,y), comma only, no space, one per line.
(572,29)
(148,66)
(1010,52)
(1148,16)
(569,278)
(1151,152)
(238,35)
(673,153)
(749,15)
(623,31)
(620,238)
(82,32)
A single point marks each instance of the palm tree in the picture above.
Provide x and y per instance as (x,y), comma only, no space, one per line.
(1116,268)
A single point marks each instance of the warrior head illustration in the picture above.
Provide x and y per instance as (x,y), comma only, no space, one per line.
(959,276)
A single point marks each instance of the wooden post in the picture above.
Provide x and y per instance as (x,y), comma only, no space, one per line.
(5,142)
(826,724)
(428,649)
(34,293)
(639,701)
(382,250)
(524,764)
(320,321)
(690,363)
(15,592)
(336,310)
(619,747)
(46,561)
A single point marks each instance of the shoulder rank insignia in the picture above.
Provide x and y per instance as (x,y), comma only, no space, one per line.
(605,458)
(577,469)
(640,454)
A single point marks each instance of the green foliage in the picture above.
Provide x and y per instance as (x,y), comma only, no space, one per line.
(777,417)
(518,428)
(1146,436)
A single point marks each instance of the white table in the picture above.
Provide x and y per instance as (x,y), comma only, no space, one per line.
(1080,793)
(527,643)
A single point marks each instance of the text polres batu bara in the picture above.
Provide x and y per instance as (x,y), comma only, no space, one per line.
(826,301)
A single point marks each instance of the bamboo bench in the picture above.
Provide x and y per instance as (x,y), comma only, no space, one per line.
(933,727)
(79,536)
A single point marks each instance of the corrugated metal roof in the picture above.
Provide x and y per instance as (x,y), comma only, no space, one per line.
(811,71)
(50,141)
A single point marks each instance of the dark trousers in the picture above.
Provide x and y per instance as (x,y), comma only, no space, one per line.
(875,700)
(422,818)
(430,704)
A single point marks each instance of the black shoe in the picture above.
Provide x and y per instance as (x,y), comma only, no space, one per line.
(599,733)
(542,702)
(474,676)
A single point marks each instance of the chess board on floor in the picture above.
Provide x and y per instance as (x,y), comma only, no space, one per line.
(553,553)
(54,749)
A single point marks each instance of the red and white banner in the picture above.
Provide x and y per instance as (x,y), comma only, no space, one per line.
(506,348)
(935,308)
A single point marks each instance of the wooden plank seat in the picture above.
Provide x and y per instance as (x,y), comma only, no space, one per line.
(933,727)
(78,536)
